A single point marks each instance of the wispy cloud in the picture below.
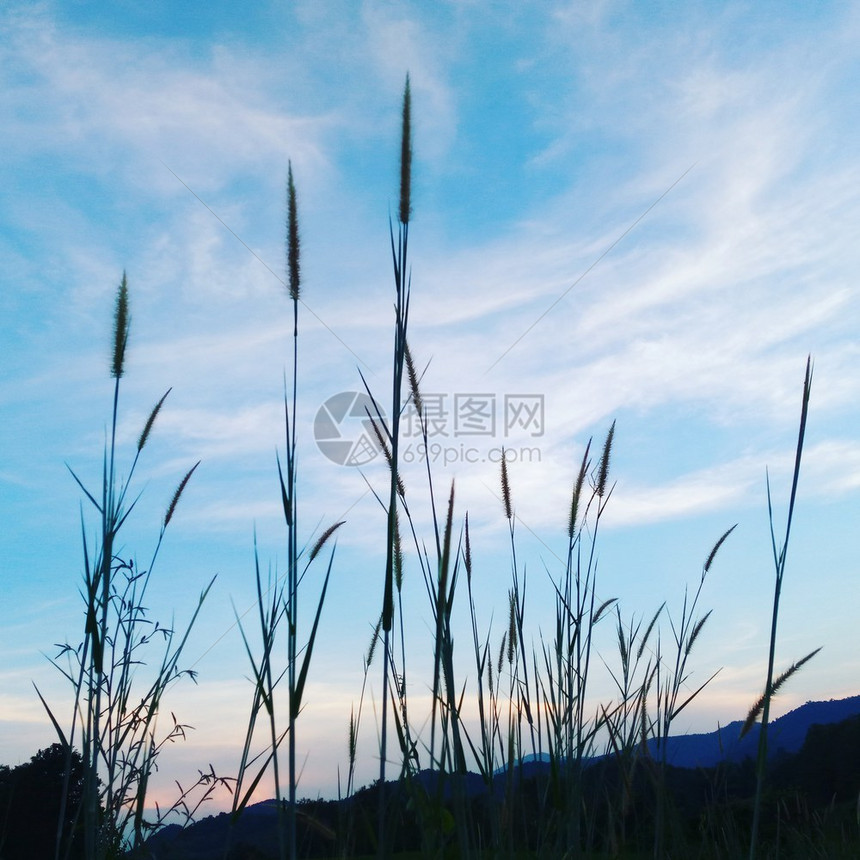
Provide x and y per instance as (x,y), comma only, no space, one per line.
(692,331)
(108,103)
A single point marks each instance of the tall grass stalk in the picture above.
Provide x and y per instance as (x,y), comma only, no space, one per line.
(517,598)
(270,606)
(290,506)
(283,601)
(483,751)
(389,437)
(446,748)
(440,581)
(626,722)
(670,684)
(762,707)
(347,822)
(448,759)
(483,755)
(113,719)
(567,662)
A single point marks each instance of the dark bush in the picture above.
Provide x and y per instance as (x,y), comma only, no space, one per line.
(30,800)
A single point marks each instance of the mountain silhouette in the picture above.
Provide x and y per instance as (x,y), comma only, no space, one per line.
(254,834)
(785,735)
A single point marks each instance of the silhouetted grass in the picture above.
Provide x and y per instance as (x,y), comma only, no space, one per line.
(114,705)
(515,758)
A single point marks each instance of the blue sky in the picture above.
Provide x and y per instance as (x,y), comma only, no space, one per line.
(702,155)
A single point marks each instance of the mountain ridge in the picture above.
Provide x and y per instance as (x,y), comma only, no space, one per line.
(255,829)
(786,734)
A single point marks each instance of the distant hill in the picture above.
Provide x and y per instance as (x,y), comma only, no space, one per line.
(785,734)
(254,835)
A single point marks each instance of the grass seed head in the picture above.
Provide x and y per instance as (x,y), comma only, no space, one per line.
(398,545)
(376,426)
(353,737)
(122,322)
(577,492)
(506,488)
(171,508)
(713,553)
(374,640)
(446,544)
(467,553)
(757,709)
(414,390)
(323,538)
(293,267)
(603,468)
(694,633)
(406,157)
(147,428)
(512,629)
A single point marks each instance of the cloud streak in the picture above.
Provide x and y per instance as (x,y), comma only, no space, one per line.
(692,331)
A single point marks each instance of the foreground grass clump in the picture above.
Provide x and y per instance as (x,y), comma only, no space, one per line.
(115,705)
(711,813)
(513,758)
(532,701)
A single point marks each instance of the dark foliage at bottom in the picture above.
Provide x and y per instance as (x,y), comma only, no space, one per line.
(30,796)
(810,812)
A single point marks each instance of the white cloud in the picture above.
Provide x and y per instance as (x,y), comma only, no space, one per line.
(399,42)
(118,106)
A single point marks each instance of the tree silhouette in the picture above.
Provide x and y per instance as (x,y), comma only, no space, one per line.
(30,799)
(827,768)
